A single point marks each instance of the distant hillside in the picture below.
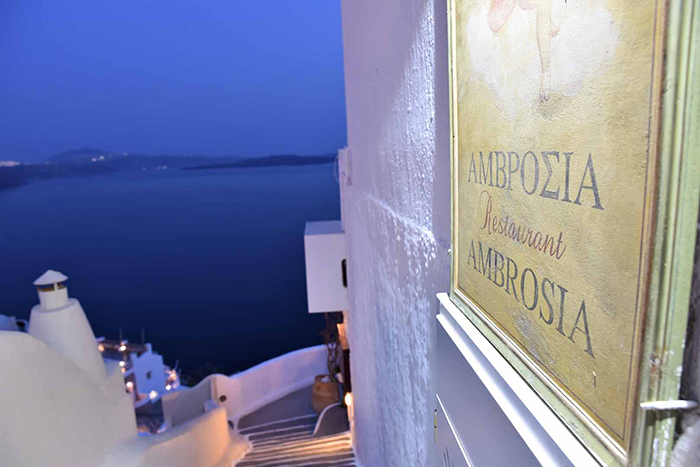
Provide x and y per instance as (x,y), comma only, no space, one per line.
(127,161)
(91,161)
(23,174)
(269,161)
(79,155)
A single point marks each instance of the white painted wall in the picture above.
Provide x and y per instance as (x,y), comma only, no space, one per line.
(205,441)
(181,406)
(249,390)
(66,330)
(141,365)
(397,212)
(53,299)
(53,413)
(324,251)
(498,418)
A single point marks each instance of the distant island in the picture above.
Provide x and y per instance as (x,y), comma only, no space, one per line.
(268,161)
(90,161)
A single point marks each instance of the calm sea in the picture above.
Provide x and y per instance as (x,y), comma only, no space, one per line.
(209,263)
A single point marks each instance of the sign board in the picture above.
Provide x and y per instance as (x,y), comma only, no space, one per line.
(557,146)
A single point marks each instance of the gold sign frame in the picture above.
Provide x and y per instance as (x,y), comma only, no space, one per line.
(667,237)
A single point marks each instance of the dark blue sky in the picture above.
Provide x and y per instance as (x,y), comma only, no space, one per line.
(216,77)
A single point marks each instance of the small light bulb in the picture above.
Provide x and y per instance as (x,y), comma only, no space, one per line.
(121,364)
(129,384)
(101,348)
(122,348)
(348,399)
(168,387)
(153,394)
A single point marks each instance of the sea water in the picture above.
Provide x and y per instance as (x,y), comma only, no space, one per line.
(209,263)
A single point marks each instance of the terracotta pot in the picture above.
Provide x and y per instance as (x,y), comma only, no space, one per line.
(324,392)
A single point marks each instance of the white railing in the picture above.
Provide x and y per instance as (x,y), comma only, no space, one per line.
(181,406)
(249,390)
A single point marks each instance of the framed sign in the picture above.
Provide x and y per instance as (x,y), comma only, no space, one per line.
(574,201)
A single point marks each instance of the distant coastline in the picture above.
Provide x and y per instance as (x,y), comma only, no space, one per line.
(88,161)
(268,161)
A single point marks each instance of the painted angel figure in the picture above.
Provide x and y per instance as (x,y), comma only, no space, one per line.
(500,11)
(533,54)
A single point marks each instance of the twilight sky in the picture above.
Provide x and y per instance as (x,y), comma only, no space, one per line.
(214,77)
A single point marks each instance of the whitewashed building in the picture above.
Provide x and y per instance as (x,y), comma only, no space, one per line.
(146,377)
(429,386)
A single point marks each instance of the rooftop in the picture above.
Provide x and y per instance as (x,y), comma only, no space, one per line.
(50,277)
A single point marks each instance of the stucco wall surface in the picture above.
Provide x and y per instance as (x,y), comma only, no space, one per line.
(273,379)
(142,365)
(67,331)
(182,406)
(204,441)
(397,206)
(249,390)
(52,412)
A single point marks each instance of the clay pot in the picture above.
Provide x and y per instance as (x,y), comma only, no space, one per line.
(324,392)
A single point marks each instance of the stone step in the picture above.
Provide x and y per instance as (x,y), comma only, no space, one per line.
(304,420)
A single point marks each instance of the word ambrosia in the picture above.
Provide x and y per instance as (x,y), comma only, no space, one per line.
(527,288)
(499,168)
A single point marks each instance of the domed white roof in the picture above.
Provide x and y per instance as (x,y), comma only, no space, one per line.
(50,277)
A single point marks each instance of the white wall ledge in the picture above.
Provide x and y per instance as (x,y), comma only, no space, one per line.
(549,439)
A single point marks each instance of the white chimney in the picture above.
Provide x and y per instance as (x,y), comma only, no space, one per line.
(52,290)
(60,322)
